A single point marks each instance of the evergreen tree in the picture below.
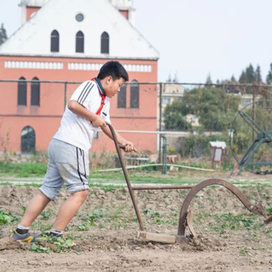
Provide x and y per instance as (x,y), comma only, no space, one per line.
(243,77)
(258,74)
(233,79)
(3,34)
(269,76)
(175,80)
(209,79)
(250,74)
(169,80)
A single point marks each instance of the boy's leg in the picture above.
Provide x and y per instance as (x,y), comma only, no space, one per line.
(34,208)
(73,166)
(52,183)
(69,209)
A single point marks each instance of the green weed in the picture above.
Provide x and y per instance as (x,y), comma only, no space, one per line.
(7,218)
(234,222)
(95,216)
(46,243)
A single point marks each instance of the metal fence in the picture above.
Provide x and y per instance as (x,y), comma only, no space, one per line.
(211,113)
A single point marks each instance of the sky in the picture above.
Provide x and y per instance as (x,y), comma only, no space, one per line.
(195,38)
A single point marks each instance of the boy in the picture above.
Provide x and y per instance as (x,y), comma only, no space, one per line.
(87,110)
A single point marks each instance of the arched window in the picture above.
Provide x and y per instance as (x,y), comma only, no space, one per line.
(105,43)
(21,99)
(35,92)
(28,140)
(122,97)
(54,41)
(79,42)
(134,94)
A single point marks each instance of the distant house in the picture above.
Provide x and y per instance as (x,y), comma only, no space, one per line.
(69,41)
(192,119)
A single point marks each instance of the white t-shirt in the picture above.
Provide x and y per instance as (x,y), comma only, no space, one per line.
(77,130)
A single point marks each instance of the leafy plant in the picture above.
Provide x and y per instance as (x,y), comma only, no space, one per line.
(95,216)
(7,218)
(47,243)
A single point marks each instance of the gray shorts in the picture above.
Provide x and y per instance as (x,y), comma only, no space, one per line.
(68,165)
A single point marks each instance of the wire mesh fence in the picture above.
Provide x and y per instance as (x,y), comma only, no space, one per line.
(190,116)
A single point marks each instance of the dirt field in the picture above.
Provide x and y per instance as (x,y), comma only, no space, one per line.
(104,233)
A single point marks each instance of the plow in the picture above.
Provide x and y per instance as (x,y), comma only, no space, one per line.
(185,232)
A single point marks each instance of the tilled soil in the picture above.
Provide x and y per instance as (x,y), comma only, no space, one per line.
(104,232)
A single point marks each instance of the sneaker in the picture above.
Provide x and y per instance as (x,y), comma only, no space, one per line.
(29,238)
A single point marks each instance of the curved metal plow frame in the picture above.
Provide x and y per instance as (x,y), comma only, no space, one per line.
(185,218)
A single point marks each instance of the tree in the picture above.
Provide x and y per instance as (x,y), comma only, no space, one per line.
(233,79)
(258,74)
(3,34)
(250,74)
(269,76)
(243,77)
(214,107)
(169,80)
(209,79)
(174,118)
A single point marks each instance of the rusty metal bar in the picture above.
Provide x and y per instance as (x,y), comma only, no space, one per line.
(126,177)
(169,187)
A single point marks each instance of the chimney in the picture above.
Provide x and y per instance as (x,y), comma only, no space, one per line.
(126,8)
(29,7)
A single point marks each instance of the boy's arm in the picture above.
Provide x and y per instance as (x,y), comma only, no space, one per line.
(129,147)
(80,110)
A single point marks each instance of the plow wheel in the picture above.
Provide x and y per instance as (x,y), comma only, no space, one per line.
(185,217)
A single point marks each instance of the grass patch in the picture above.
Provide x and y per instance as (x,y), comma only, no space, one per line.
(22,169)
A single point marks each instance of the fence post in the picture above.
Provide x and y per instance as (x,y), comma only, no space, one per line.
(160,120)
(65,94)
(164,162)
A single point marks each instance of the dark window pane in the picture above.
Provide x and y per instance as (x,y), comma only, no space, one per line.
(134,94)
(105,43)
(55,41)
(122,97)
(22,92)
(35,92)
(79,42)
(28,140)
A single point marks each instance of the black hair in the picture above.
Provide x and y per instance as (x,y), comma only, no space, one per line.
(114,69)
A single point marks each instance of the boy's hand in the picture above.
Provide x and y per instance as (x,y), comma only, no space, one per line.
(98,122)
(129,147)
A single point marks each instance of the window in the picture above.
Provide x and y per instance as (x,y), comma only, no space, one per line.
(79,17)
(134,94)
(21,101)
(166,100)
(105,43)
(55,41)
(35,92)
(122,97)
(79,42)
(28,140)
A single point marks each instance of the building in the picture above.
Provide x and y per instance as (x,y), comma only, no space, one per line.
(170,92)
(68,41)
